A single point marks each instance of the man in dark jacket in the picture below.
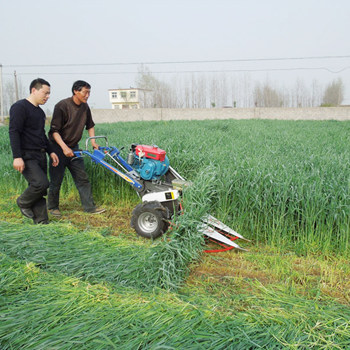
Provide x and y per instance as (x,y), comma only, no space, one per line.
(69,119)
(29,147)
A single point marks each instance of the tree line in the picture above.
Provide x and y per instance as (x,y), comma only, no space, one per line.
(222,90)
(199,90)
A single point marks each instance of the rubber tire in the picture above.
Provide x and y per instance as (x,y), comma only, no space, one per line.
(150,219)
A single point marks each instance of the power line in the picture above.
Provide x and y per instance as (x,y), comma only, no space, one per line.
(177,62)
(192,71)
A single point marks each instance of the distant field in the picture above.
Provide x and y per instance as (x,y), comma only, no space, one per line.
(91,283)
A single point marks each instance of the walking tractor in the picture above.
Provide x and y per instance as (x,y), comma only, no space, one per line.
(147,169)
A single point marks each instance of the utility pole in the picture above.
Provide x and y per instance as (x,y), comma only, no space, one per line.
(1,96)
(16,86)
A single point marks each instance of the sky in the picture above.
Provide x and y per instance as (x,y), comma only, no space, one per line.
(105,41)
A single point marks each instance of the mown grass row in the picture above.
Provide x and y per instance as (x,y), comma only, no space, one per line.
(282,182)
(41,310)
(96,258)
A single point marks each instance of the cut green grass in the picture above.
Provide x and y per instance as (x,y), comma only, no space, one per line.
(96,258)
(64,312)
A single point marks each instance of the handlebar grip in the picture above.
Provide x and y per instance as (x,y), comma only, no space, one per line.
(95,137)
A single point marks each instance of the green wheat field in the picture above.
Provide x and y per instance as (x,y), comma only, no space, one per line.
(91,283)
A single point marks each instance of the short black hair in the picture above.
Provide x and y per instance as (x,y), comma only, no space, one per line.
(79,84)
(38,84)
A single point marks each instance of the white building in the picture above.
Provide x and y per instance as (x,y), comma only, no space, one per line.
(126,98)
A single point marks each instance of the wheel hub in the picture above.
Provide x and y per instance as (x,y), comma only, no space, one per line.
(148,222)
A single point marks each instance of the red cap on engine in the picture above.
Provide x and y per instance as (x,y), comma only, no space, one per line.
(152,152)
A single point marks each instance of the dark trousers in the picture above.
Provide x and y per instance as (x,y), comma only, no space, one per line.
(80,177)
(35,172)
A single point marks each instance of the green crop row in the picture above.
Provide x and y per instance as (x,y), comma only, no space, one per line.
(282,182)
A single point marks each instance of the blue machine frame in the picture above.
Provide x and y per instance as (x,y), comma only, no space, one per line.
(97,156)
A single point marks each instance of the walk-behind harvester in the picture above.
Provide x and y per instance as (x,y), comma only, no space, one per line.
(160,187)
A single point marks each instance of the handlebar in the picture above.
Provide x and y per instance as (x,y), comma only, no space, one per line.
(95,137)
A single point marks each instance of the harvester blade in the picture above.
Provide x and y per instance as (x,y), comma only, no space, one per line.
(211,233)
(221,226)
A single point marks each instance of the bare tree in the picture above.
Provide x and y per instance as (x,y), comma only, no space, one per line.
(235,96)
(10,93)
(299,93)
(214,91)
(158,91)
(202,92)
(187,96)
(176,99)
(218,90)
(246,91)
(198,91)
(316,93)
(266,96)
(334,93)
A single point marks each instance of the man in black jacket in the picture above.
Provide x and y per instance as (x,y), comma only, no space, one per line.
(29,147)
(71,115)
